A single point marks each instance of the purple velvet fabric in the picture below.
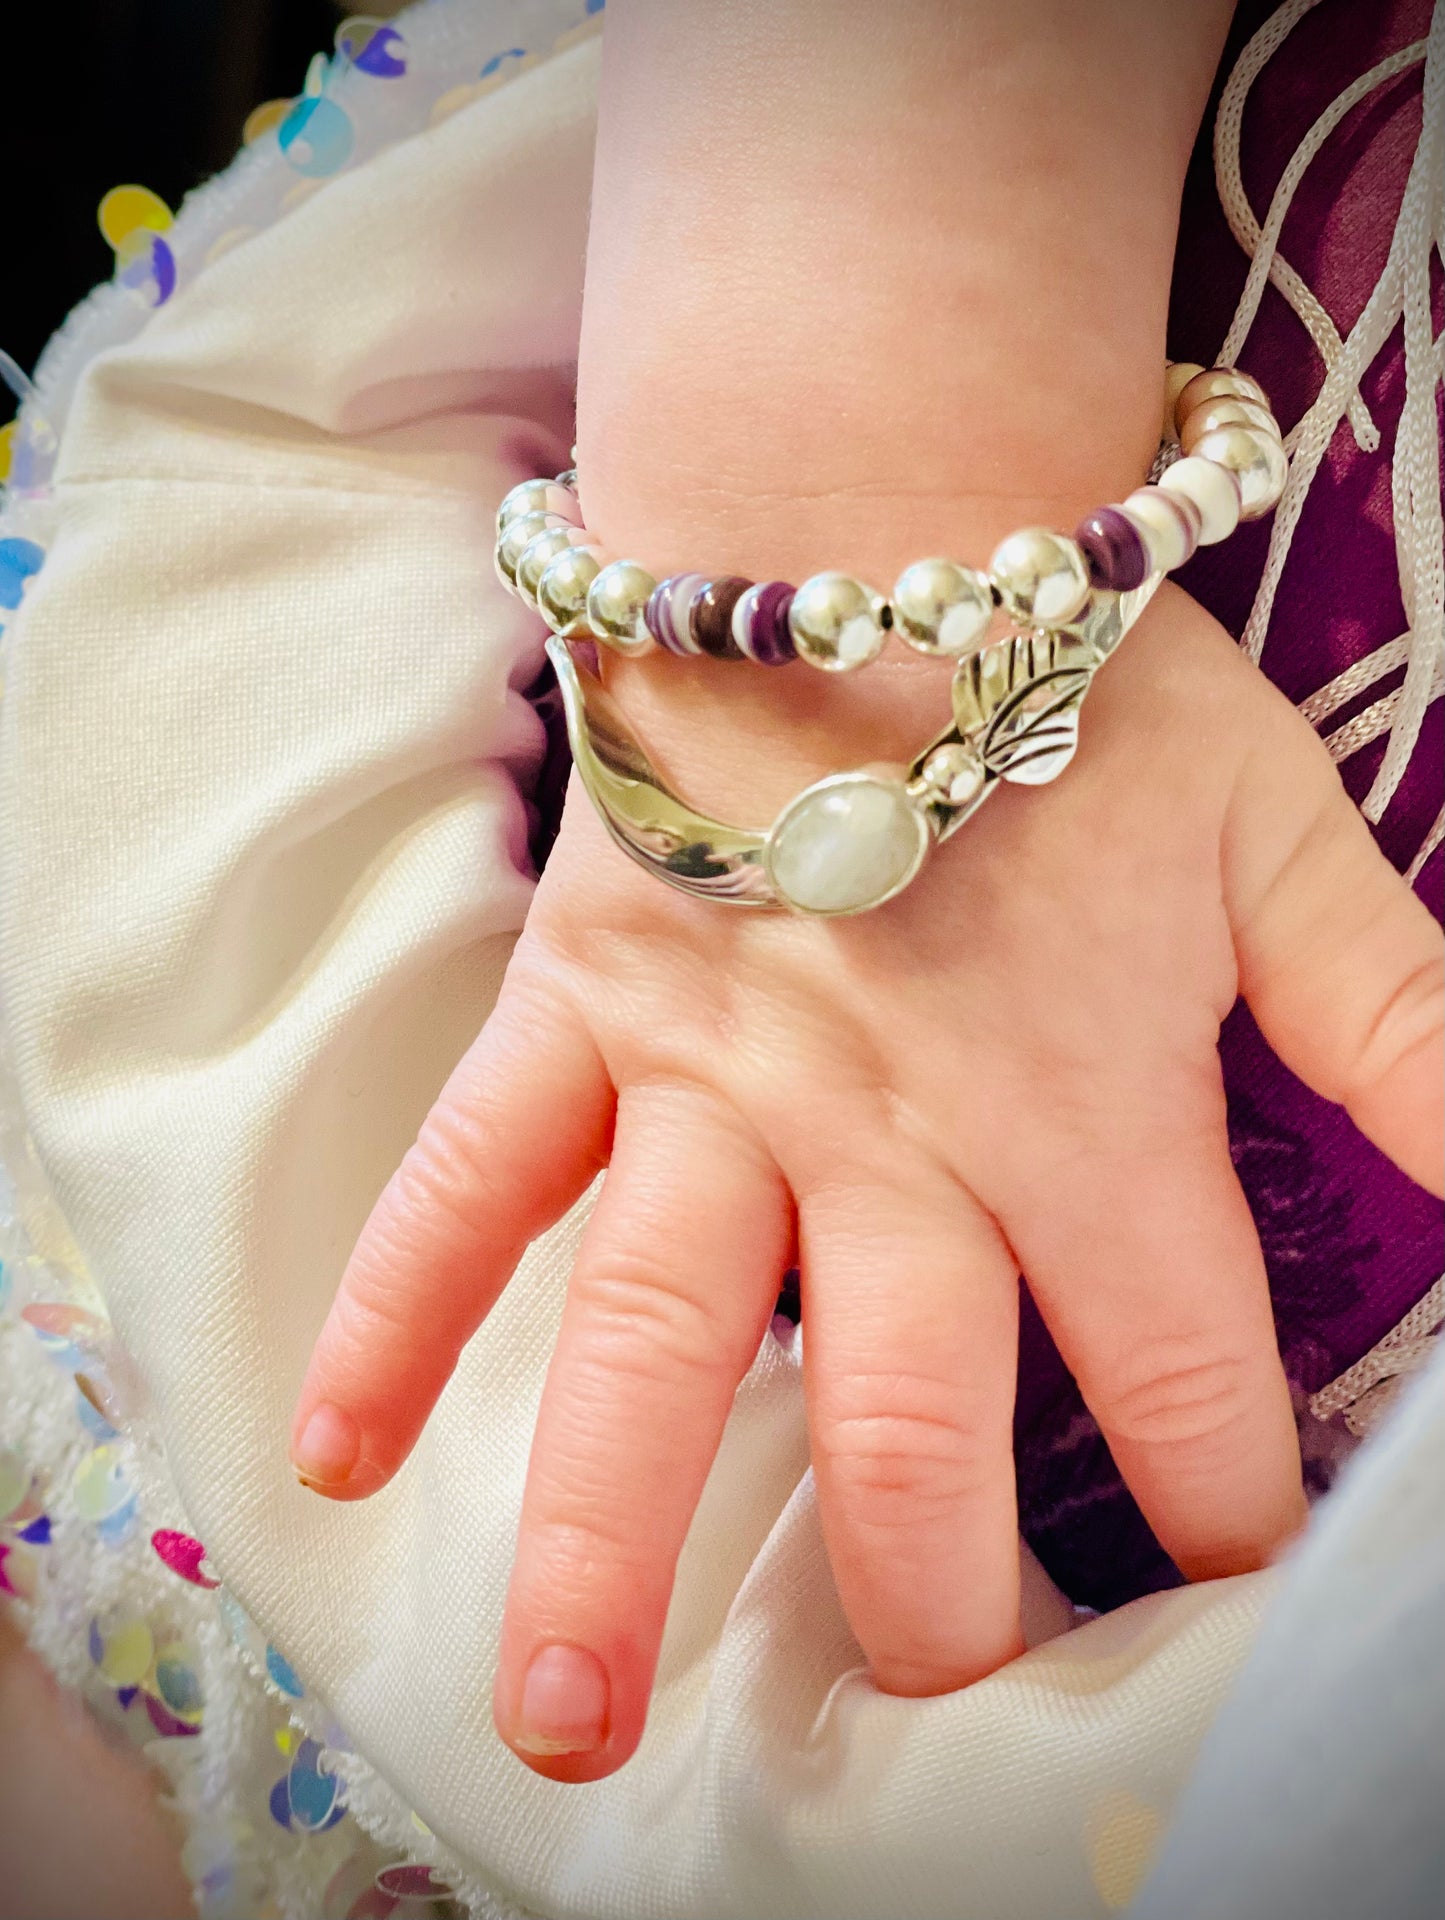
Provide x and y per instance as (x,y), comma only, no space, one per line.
(1350,1244)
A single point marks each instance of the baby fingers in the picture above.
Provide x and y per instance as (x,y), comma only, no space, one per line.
(669,1301)
(1342,966)
(910,1316)
(519,1130)
(1143,1258)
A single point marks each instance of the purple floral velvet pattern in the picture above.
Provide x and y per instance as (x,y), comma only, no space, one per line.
(1350,1244)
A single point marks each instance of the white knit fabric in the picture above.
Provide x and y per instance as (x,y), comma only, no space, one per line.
(260,755)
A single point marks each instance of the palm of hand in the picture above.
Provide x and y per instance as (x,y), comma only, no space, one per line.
(1013,1067)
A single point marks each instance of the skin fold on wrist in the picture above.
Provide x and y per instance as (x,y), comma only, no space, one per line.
(904,331)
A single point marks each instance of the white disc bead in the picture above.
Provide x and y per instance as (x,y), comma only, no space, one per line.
(1212,490)
(1169,524)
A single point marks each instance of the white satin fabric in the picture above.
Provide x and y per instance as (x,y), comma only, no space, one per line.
(264,751)
(1325,1771)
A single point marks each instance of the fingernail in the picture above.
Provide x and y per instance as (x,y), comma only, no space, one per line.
(564,1703)
(327,1450)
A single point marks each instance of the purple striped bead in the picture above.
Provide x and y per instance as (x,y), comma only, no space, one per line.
(760,624)
(668,612)
(712,617)
(1113,549)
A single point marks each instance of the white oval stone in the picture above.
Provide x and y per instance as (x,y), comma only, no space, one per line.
(846,844)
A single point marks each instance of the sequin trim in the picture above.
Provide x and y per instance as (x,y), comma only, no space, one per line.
(87,1504)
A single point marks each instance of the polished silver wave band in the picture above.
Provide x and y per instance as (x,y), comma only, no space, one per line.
(853,840)
(856,839)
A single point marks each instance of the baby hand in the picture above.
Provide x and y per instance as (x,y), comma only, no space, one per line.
(1011,1068)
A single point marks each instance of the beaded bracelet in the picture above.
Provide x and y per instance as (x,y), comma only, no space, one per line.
(853,840)
(1227,465)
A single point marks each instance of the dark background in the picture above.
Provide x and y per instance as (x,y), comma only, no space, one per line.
(102,92)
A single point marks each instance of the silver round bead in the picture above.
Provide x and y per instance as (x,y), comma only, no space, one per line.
(616,602)
(528,496)
(1041,577)
(837,623)
(1176,378)
(942,608)
(951,775)
(1257,461)
(562,590)
(515,536)
(1217,383)
(1210,414)
(538,496)
(538,554)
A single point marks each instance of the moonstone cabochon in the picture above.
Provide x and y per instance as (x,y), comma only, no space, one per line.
(846,844)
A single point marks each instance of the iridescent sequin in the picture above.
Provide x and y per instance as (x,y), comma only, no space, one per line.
(183,1555)
(372,46)
(122,1648)
(20,561)
(147,268)
(316,137)
(134,221)
(264,119)
(284,1674)
(314,1794)
(103,1496)
(408,1882)
(93,1405)
(19,1570)
(168,1725)
(127,210)
(178,1683)
(68,1334)
(100,1488)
